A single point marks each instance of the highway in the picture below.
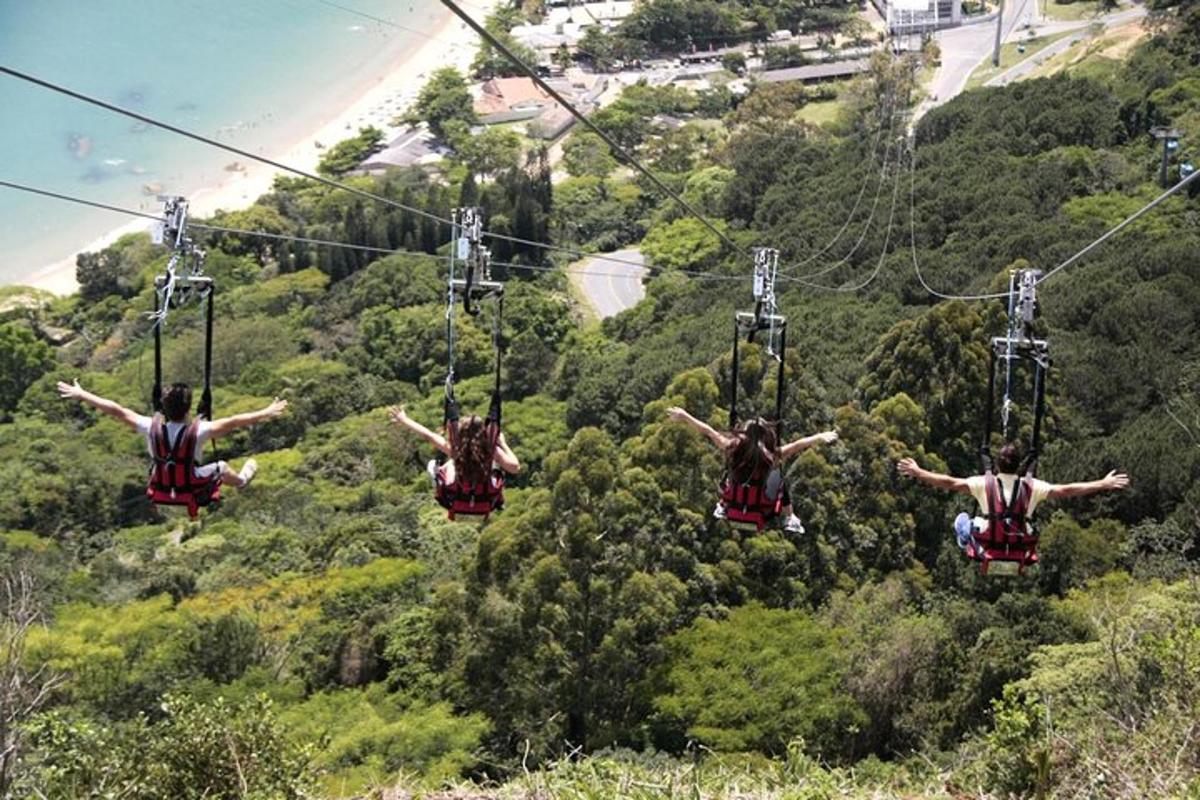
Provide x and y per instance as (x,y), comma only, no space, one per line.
(608,286)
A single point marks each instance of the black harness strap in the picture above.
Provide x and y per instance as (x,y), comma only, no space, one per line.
(205,407)
(733,413)
(156,392)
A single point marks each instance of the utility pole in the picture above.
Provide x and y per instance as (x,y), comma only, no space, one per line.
(999,27)
(1170,139)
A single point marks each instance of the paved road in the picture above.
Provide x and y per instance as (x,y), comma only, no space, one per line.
(964,48)
(1020,70)
(611,287)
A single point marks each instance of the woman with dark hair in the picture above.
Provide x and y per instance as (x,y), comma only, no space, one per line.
(172,424)
(753,456)
(470,447)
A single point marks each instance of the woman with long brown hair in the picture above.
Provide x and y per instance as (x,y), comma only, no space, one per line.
(472,448)
(753,456)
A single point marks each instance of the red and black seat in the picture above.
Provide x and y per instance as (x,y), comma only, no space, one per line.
(173,479)
(1008,545)
(747,506)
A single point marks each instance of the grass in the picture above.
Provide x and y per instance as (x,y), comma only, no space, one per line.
(1097,57)
(1010,56)
(820,113)
(1069,12)
(583,305)
(708,776)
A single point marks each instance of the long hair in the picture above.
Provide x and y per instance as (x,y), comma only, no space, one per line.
(755,449)
(473,449)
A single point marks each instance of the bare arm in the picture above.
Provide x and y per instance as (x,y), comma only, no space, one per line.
(800,445)
(436,439)
(719,439)
(220,427)
(1113,481)
(950,483)
(105,406)
(505,458)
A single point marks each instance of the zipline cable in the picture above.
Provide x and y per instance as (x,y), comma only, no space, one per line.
(887,238)
(1121,226)
(889,104)
(867,224)
(95,101)
(704,276)
(299,172)
(912,228)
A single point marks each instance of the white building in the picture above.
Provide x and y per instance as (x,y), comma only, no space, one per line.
(915,16)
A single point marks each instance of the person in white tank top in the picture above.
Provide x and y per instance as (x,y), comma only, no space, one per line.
(176,403)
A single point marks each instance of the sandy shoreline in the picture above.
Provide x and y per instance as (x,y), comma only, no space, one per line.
(378,101)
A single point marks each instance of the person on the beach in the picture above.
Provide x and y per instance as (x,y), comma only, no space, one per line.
(753,456)
(1004,485)
(175,422)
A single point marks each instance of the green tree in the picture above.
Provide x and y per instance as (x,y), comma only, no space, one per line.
(116,269)
(445,98)
(760,679)
(23,359)
(491,151)
(349,153)
(585,153)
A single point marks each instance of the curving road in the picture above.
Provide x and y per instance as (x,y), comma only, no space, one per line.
(608,286)
(1023,68)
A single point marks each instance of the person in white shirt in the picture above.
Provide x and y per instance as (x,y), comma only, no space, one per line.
(176,405)
(1008,461)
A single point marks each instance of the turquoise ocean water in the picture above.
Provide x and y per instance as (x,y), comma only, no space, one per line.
(259,74)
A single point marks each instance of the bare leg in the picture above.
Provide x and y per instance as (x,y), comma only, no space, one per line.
(231,478)
(238,480)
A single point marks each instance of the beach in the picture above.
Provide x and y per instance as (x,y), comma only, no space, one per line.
(376,100)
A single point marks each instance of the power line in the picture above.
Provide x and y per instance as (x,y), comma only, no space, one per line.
(562,101)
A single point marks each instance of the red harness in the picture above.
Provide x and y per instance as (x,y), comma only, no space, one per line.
(1008,536)
(478,498)
(746,502)
(173,479)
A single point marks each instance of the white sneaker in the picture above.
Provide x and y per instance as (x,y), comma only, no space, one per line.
(793,524)
(431,469)
(248,471)
(719,511)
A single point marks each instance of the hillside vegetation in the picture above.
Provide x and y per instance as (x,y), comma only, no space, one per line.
(327,633)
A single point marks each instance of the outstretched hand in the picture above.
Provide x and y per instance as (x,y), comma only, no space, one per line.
(398,415)
(70,390)
(909,467)
(1116,480)
(827,437)
(276,408)
(677,414)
